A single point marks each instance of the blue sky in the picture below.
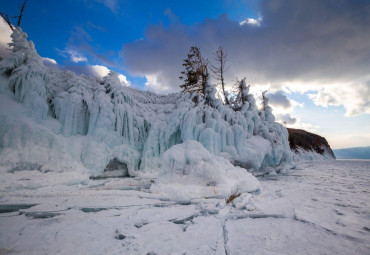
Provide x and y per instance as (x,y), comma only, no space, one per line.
(313,56)
(105,26)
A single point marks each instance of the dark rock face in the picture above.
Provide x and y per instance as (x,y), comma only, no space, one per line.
(299,138)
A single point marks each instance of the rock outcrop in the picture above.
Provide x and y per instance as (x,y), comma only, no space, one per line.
(303,142)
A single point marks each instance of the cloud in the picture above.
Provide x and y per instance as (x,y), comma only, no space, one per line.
(157,83)
(279,99)
(81,41)
(294,122)
(101,71)
(252,22)
(355,98)
(287,118)
(96,27)
(313,43)
(97,71)
(5,33)
(49,61)
(305,126)
(124,80)
(283,107)
(113,5)
(76,56)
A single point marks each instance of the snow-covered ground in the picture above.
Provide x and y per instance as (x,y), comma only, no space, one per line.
(317,208)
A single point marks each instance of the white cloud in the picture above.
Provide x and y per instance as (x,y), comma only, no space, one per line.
(252,22)
(305,126)
(101,71)
(75,56)
(354,97)
(124,80)
(49,61)
(155,82)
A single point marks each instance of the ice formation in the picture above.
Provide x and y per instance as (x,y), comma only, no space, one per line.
(190,171)
(56,120)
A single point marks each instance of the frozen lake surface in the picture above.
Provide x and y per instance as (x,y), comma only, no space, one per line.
(317,208)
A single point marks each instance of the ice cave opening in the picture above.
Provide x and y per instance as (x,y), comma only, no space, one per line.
(114,169)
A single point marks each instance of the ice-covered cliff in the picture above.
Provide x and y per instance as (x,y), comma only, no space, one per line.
(53,120)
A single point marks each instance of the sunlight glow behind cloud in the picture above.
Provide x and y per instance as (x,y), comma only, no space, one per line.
(253,22)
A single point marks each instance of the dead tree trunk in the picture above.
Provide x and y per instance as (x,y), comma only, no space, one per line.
(220,69)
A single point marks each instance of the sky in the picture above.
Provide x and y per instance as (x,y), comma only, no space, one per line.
(313,56)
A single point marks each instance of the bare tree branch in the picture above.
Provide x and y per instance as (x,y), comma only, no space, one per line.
(7,20)
(20,15)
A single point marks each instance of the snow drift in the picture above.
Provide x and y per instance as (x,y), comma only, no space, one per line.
(53,120)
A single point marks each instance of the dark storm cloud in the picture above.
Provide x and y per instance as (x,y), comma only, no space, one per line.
(309,40)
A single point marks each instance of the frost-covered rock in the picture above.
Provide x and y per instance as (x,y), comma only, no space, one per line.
(84,123)
(190,171)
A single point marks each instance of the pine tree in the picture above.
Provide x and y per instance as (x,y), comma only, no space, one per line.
(243,99)
(241,90)
(196,73)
